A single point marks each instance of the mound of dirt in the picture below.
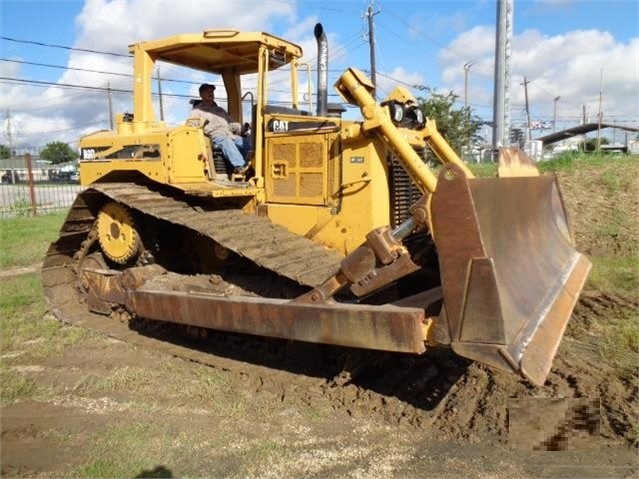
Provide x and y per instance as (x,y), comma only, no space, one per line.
(602,201)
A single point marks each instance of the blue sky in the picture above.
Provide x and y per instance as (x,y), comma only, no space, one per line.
(563,47)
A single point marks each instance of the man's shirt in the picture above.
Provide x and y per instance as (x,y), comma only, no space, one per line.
(216,119)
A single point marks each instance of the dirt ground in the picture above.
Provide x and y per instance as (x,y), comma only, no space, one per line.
(105,408)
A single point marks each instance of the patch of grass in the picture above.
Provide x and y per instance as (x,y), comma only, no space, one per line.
(615,273)
(483,170)
(236,408)
(125,378)
(201,385)
(208,382)
(315,413)
(619,344)
(263,449)
(25,335)
(22,307)
(115,468)
(22,294)
(564,162)
(14,386)
(21,206)
(24,241)
(612,183)
(569,162)
(131,450)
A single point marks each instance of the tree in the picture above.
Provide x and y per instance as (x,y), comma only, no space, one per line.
(457,125)
(58,152)
(591,144)
(5,152)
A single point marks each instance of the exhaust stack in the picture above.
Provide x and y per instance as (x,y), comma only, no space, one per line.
(322,70)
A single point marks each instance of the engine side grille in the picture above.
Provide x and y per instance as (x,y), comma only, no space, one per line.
(403,191)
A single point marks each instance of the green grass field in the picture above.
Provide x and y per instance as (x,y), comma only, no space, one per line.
(23,240)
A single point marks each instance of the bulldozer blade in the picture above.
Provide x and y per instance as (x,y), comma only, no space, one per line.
(510,273)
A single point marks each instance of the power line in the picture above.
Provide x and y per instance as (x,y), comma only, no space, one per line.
(79,127)
(40,83)
(63,67)
(481,66)
(338,54)
(60,85)
(75,49)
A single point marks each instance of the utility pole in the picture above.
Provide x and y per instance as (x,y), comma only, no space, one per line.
(8,132)
(583,123)
(501,96)
(467,66)
(599,115)
(525,83)
(371,43)
(554,115)
(110,106)
(160,94)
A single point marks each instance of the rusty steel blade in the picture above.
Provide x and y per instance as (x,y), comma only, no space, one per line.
(510,273)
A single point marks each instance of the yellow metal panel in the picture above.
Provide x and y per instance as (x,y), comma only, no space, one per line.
(217,51)
(360,202)
(186,161)
(365,202)
(92,171)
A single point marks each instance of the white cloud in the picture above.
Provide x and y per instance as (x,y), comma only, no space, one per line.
(110,26)
(567,65)
(10,69)
(386,85)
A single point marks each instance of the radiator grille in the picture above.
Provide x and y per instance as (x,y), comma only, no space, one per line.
(403,191)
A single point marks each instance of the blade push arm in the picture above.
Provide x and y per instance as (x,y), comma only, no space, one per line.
(355,88)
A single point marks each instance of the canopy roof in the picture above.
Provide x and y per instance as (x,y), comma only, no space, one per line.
(216,51)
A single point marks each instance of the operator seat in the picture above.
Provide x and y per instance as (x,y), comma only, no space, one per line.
(221,164)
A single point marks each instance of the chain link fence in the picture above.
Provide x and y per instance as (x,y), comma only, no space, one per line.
(31,190)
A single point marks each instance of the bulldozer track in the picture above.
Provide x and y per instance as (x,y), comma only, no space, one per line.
(267,245)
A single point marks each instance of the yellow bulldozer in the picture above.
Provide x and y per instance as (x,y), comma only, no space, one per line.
(339,234)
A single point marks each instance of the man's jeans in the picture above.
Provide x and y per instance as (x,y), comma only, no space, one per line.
(235,150)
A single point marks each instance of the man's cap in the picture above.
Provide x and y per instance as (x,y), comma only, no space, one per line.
(206,86)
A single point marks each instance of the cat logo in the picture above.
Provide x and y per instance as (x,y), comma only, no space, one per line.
(279,126)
